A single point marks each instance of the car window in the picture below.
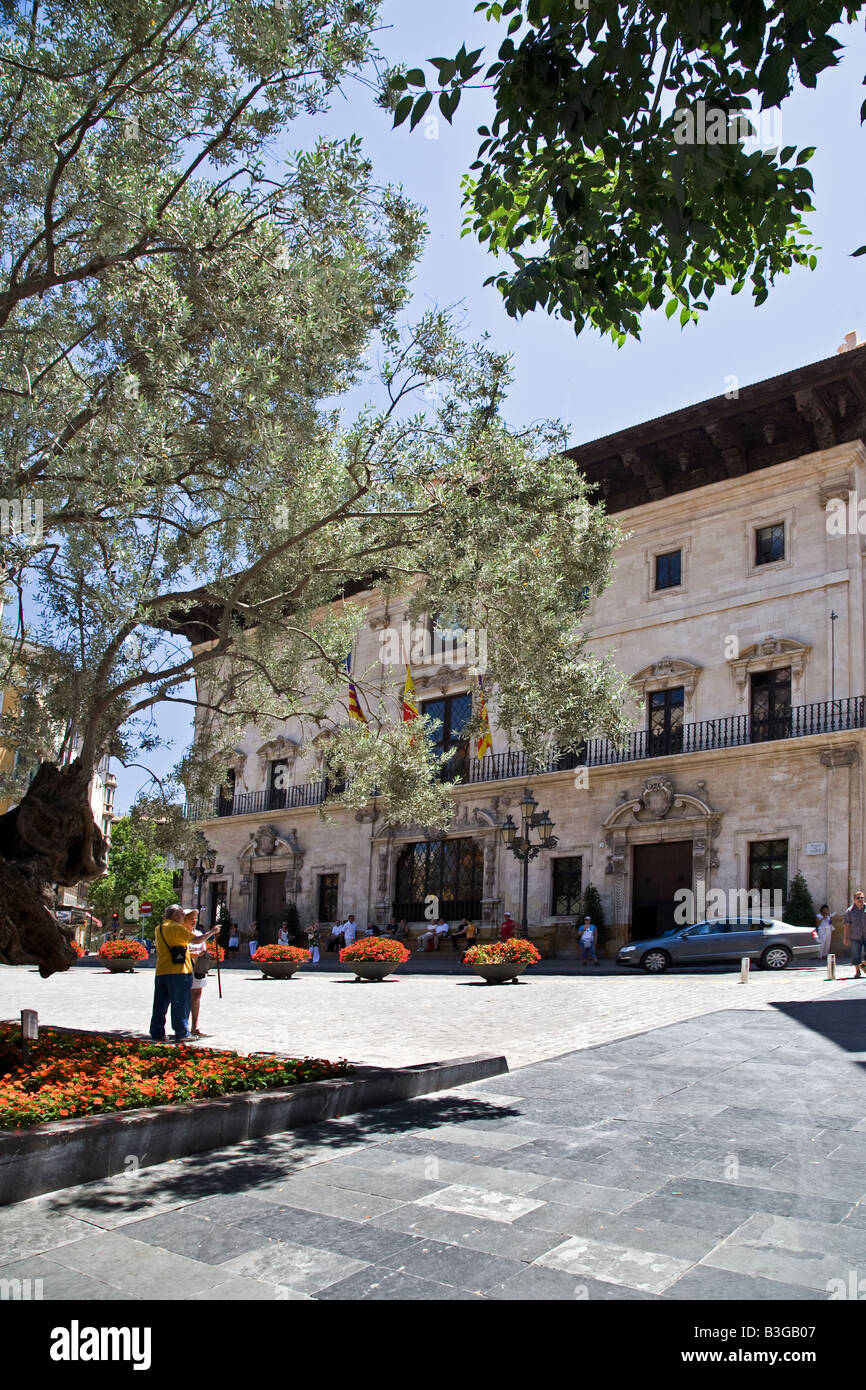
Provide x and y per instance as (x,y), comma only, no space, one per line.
(707,928)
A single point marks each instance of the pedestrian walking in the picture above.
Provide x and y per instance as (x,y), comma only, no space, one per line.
(508,928)
(588,939)
(253,930)
(234,940)
(825,929)
(854,931)
(173,975)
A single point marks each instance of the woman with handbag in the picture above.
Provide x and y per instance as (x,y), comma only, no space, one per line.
(198,953)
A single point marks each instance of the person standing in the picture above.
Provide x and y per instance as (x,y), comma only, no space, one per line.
(314,938)
(335,938)
(234,940)
(350,930)
(253,930)
(506,931)
(588,939)
(825,929)
(283,938)
(197,950)
(173,975)
(855,931)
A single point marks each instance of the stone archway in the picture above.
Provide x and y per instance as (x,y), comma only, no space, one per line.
(659,814)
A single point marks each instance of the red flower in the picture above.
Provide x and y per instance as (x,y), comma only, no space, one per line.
(383,948)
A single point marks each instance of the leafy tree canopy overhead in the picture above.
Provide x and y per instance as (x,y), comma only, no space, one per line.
(615,175)
(176,304)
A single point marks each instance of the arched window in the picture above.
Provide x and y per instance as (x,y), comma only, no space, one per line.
(452,870)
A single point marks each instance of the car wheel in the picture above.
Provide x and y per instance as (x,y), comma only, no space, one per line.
(775,958)
(654,962)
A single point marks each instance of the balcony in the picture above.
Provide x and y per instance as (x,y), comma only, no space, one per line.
(730,731)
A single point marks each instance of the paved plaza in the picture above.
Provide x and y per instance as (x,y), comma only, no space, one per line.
(415,1017)
(719,1158)
(717,1154)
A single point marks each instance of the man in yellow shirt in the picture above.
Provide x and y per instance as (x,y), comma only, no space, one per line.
(173,984)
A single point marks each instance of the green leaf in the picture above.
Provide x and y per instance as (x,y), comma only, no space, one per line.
(861,251)
(420,107)
(805,154)
(404,106)
(416,78)
(671,307)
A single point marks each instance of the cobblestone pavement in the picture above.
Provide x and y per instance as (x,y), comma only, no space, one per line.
(718,1158)
(415,1018)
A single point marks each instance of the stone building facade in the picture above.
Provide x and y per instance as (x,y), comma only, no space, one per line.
(737,611)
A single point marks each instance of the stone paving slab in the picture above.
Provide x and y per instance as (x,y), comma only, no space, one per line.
(492,1193)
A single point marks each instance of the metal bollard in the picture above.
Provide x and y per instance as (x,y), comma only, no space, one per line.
(831,967)
(744,970)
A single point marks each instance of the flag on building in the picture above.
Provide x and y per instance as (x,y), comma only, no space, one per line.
(410,707)
(355,711)
(485,742)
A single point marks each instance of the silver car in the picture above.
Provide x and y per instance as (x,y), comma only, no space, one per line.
(771,943)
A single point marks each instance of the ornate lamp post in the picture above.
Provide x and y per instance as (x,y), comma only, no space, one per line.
(200,865)
(520,844)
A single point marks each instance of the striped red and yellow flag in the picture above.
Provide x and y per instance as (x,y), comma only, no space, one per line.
(355,711)
(485,742)
(410,706)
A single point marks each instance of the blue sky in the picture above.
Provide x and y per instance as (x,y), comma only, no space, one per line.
(588,383)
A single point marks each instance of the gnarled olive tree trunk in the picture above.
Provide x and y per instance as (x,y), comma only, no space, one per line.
(49,838)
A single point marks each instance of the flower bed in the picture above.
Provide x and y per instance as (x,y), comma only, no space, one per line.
(516,951)
(212,949)
(72,1074)
(122,950)
(297,954)
(375,948)
(79,950)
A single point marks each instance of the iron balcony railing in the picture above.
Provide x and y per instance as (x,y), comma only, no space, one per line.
(730,731)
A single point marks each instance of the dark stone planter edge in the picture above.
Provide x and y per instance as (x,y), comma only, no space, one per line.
(64,1153)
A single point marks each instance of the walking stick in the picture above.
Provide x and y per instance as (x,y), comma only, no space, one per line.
(219,981)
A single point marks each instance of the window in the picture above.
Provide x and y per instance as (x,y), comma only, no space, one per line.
(665,721)
(768,866)
(452,870)
(567,887)
(328,884)
(771,704)
(770,543)
(226,794)
(452,715)
(278,781)
(669,569)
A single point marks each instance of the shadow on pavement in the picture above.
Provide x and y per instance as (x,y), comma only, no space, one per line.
(238,1170)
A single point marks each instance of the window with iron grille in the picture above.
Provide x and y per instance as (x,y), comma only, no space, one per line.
(768,866)
(567,886)
(453,870)
(328,885)
(770,543)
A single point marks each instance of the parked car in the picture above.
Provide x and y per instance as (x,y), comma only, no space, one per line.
(771,943)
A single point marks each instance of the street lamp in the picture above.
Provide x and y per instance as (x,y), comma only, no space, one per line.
(521,846)
(200,864)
